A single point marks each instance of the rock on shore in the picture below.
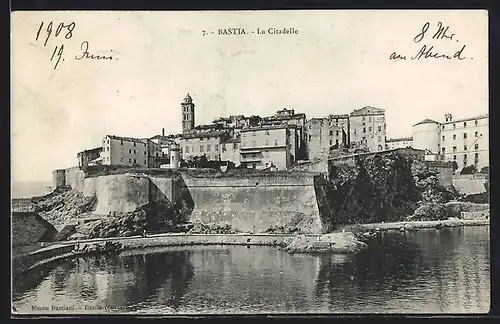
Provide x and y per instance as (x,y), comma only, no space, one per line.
(345,242)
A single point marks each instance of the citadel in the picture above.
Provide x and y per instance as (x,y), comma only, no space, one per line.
(287,138)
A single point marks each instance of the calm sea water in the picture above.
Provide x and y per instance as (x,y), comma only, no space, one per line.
(429,271)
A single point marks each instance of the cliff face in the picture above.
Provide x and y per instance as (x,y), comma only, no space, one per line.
(381,187)
(63,205)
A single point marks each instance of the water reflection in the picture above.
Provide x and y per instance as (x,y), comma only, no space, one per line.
(425,271)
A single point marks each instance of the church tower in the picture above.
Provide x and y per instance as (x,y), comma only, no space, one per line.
(187,113)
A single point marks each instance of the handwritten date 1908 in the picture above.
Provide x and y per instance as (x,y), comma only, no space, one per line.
(68,29)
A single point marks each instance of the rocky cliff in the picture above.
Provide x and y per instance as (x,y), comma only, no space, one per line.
(381,187)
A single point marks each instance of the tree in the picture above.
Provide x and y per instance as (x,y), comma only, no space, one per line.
(469,169)
(254,120)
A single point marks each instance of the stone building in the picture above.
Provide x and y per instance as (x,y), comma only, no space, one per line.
(129,151)
(266,146)
(465,141)
(231,151)
(395,143)
(296,121)
(368,128)
(203,143)
(87,157)
(325,134)
(166,143)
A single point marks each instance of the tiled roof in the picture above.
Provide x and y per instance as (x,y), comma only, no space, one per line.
(263,127)
(467,119)
(215,133)
(399,139)
(368,110)
(128,139)
(427,121)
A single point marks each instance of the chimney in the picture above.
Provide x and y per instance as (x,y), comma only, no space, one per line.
(163,132)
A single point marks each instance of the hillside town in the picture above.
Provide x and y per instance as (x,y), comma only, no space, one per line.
(287,139)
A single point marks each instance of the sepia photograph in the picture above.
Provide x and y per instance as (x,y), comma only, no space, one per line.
(250,162)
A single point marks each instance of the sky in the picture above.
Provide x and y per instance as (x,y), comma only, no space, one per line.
(339,61)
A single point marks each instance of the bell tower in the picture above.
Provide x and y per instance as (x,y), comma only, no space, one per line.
(187,106)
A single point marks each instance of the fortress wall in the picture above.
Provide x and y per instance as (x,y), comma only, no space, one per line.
(256,203)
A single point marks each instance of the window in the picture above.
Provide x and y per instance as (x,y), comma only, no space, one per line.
(224,147)
(380,128)
(144,161)
(135,152)
(201,148)
(444,138)
(134,144)
(121,159)
(465,157)
(235,146)
(380,147)
(267,132)
(443,126)
(354,132)
(454,149)
(310,138)
(121,142)
(465,124)
(135,161)
(465,163)
(107,158)
(475,122)
(130,151)
(337,132)
(187,149)
(454,157)
(276,142)
(217,147)
(454,136)
(144,153)
(129,160)
(336,142)
(465,135)
(331,142)
(107,148)
(369,118)
(465,147)
(209,147)
(476,158)
(331,133)
(443,150)
(364,129)
(454,125)
(476,147)
(476,134)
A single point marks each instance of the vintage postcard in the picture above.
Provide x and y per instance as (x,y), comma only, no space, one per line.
(250,162)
